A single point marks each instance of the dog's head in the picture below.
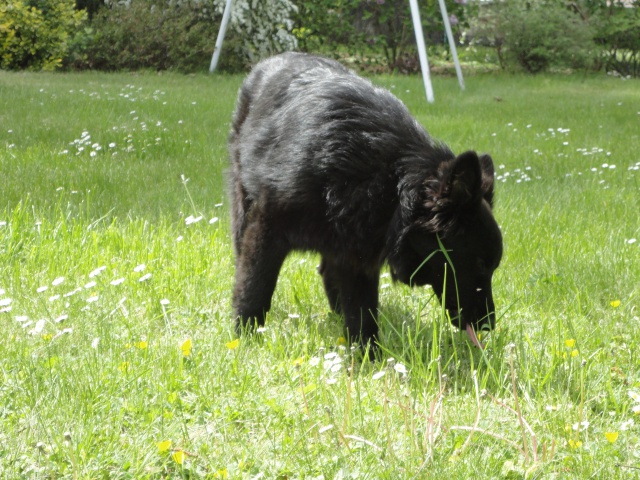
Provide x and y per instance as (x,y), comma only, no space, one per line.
(452,241)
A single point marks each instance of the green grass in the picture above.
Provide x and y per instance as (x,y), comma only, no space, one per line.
(93,373)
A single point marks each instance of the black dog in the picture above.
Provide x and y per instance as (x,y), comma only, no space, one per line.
(323,160)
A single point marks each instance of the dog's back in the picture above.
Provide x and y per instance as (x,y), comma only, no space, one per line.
(311,130)
(275,75)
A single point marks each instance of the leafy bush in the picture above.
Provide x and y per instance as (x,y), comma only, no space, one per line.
(369,29)
(389,27)
(90,6)
(321,25)
(142,35)
(534,34)
(181,34)
(36,35)
(618,33)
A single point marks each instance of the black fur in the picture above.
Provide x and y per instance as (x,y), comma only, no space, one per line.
(323,160)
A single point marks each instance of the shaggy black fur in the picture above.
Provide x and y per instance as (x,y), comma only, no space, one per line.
(323,160)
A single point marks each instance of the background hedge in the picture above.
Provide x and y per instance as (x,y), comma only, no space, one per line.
(377,35)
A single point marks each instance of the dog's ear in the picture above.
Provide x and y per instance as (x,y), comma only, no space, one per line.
(488,175)
(462,181)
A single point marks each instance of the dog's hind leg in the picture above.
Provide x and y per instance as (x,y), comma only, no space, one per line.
(260,257)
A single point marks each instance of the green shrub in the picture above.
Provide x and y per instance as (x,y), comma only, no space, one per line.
(145,35)
(36,35)
(373,32)
(534,35)
(321,25)
(90,6)
(181,34)
(618,33)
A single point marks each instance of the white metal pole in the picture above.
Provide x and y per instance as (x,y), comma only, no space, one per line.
(452,42)
(422,52)
(223,29)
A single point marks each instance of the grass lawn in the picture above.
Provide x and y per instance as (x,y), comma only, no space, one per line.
(118,355)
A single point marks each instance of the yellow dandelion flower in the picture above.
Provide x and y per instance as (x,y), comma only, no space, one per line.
(164,446)
(178,457)
(575,353)
(615,303)
(221,473)
(341,341)
(570,342)
(575,444)
(142,345)
(298,361)
(233,344)
(124,367)
(611,436)
(47,336)
(186,347)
